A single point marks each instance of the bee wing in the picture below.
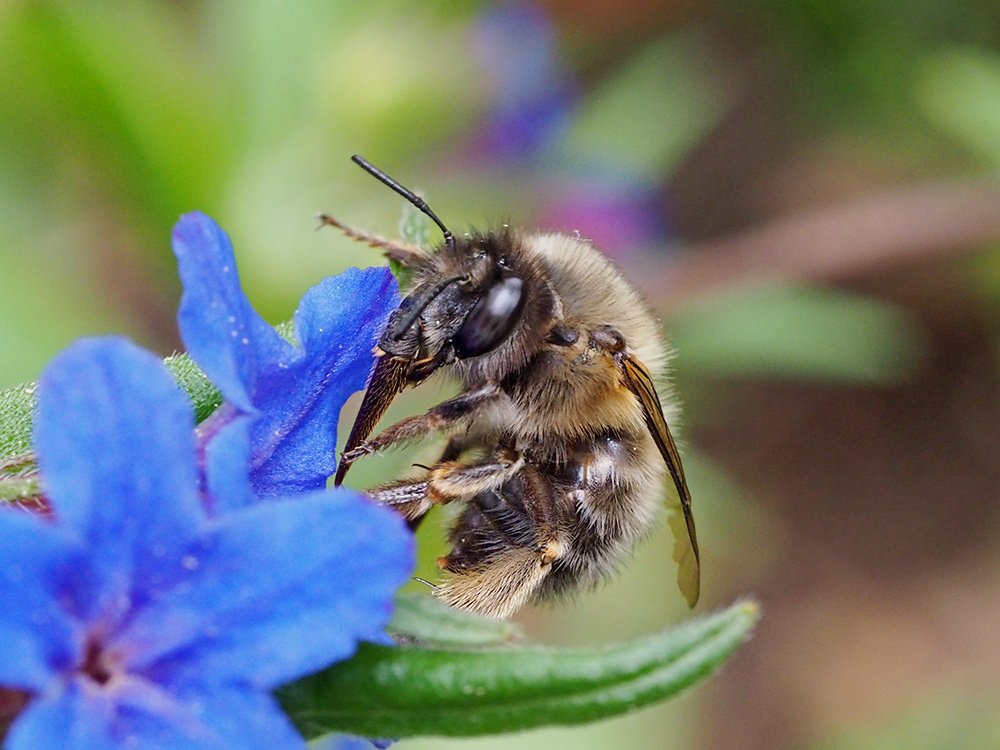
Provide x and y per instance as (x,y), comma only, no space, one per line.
(686,553)
(387,380)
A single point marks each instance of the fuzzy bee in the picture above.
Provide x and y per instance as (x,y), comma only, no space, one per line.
(559,445)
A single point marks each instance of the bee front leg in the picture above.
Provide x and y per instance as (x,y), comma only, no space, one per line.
(445,415)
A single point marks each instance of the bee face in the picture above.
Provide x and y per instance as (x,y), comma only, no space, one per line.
(561,364)
(480,304)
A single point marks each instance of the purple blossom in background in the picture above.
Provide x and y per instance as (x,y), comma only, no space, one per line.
(619,216)
(532,93)
(533,98)
(132,619)
(282,399)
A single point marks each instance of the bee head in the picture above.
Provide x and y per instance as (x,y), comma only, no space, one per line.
(465,304)
(467,300)
(480,302)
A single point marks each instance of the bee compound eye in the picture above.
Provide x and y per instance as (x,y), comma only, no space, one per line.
(491,319)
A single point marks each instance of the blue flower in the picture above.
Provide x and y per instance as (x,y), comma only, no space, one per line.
(132,618)
(282,400)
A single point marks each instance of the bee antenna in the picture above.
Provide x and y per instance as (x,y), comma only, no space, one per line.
(416,200)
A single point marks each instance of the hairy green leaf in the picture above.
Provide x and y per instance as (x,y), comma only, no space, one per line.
(204,396)
(406,691)
(17,406)
(415,227)
(424,620)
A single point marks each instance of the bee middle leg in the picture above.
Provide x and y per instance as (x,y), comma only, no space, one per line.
(508,538)
(457,445)
(446,482)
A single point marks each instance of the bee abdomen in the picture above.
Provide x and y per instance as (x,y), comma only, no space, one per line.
(614,500)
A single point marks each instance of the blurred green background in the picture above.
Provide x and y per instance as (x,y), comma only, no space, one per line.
(808,192)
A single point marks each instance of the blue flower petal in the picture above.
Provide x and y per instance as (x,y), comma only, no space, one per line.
(115,440)
(337,322)
(242,717)
(297,391)
(137,715)
(225,439)
(221,331)
(275,592)
(136,620)
(63,718)
(35,632)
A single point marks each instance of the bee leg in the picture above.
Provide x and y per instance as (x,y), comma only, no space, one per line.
(403,253)
(457,445)
(501,585)
(447,482)
(444,415)
(407,497)
(504,546)
(453,480)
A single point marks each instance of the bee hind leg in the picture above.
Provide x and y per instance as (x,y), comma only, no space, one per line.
(505,545)
(500,585)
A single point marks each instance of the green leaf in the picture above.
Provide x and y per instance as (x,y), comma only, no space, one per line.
(425,620)
(403,692)
(799,332)
(415,227)
(647,117)
(17,406)
(959,91)
(204,396)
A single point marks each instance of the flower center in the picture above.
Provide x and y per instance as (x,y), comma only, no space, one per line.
(97,664)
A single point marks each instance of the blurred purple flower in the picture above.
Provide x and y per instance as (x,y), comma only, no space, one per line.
(282,399)
(133,619)
(618,217)
(532,100)
(532,93)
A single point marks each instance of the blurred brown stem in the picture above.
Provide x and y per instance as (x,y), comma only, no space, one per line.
(834,243)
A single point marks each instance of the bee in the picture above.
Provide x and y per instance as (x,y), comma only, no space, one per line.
(559,445)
